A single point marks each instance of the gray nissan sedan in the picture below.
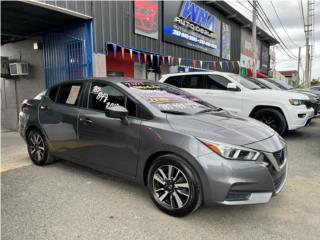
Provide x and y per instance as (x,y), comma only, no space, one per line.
(186,151)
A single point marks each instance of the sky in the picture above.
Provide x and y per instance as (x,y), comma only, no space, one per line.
(290,15)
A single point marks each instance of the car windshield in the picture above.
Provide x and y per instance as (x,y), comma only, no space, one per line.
(269,84)
(257,82)
(244,82)
(279,84)
(169,99)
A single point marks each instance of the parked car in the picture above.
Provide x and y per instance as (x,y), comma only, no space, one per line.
(186,151)
(315,88)
(314,100)
(278,109)
(285,86)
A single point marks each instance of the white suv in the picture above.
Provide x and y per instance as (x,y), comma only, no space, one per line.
(280,110)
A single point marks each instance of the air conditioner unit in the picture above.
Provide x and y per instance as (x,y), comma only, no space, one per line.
(19,69)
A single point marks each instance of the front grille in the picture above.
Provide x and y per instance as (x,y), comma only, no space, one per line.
(308,104)
(279,156)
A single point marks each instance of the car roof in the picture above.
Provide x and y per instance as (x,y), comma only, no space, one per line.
(106,79)
(198,73)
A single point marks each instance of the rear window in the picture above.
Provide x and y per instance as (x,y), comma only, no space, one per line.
(69,94)
(53,93)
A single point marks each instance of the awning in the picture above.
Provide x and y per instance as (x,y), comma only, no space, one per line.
(20,20)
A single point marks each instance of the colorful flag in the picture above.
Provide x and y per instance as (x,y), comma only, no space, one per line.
(114,49)
(139,56)
(122,53)
(145,57)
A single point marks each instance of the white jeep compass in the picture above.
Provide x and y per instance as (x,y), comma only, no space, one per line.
(280,110)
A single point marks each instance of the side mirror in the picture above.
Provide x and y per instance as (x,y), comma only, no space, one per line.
(232,86)
(116,112)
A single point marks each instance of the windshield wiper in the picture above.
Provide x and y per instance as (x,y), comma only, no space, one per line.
(174,112)
(209,110)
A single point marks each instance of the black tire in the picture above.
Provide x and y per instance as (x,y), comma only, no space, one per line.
(38,148)
(175,186)
(273,118)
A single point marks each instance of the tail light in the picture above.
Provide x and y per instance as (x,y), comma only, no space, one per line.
(22,106)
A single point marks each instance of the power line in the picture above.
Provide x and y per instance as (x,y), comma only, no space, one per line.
(284,29)
(265,20)
(271,25)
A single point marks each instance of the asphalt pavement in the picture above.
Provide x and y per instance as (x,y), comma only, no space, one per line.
(67,201)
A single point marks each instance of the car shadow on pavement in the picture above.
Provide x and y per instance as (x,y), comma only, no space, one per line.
(140,193)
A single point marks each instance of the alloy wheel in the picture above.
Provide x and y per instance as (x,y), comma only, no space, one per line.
(270,120)
(171,187)
(37,147)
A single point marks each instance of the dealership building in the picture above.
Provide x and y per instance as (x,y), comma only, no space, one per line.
(44,43)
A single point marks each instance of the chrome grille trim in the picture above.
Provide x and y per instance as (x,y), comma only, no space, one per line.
(274,161)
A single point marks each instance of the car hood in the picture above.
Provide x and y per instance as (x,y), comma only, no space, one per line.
(221,126)
(279,94)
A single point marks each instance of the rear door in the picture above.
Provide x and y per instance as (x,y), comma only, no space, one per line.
(107,143)
(58,114)
(219,95)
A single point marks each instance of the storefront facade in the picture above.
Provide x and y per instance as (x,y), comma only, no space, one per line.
(141,40)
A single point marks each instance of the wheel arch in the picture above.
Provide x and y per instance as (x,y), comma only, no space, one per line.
(155,155)
(33,127)
(259,107)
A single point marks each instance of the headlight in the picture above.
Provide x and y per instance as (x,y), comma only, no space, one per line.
(231,152)
(296,102)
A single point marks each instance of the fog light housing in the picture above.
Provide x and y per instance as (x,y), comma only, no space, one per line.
(237,196)
(301,115)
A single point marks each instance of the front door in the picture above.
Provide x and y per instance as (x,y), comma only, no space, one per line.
(107,143)
(219,95)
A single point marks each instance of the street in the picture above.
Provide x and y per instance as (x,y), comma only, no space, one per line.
(67,201)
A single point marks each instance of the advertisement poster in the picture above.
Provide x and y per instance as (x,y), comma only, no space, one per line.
(246,50)
(146,18)
(187,24)
(264,59)
(226,41)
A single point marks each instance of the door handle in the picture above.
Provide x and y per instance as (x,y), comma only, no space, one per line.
(44,107)
(86,121)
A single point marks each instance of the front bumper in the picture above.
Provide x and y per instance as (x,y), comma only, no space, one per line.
(232,182)
(299,118)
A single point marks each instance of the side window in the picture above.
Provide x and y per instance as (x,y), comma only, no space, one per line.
(69,94)
(175,81)
(217,82)
(103,95)
(131,107)
(53,93)
(193,81)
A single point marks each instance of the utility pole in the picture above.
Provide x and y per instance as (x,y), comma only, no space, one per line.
(299,60)
(308,32)
(254,37)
